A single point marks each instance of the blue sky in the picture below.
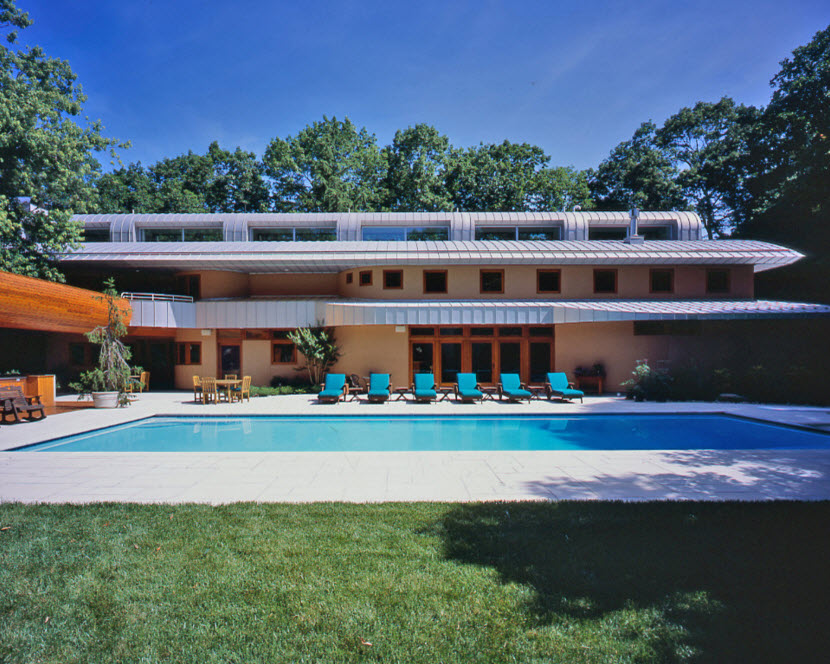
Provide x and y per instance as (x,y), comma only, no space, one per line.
(574,78)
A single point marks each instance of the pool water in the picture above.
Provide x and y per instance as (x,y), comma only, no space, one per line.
(450,433)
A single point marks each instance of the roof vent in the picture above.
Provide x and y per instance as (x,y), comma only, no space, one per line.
(632,237)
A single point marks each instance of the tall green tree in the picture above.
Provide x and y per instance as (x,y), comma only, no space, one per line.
(707,145)
(125,190)
(237,183)
(559,188)
(640,173)
(495,177)
(417,163)
(182,183)
(46,158)
(329,166)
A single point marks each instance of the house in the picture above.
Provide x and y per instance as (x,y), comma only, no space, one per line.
(441,292)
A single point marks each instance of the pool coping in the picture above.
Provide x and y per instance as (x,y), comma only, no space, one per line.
(220,477)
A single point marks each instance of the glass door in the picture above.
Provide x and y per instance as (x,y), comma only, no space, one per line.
(422,352)
(450,361)
(481,356)
(230,359)
(540,364)
(510,357)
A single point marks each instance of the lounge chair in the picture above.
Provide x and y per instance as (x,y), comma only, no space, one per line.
(558,386)
(14,403)
(423,387)
(511,386)
(379,388)
(467,388)
(334,389)
(240,391)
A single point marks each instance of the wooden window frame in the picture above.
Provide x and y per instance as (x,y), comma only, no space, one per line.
(651,280)
(446,282)
(282,342)
(188,356)
(724,291)
(360,281)
(387,272)
(349,277)
(616,281)
(481,290)
(539,272)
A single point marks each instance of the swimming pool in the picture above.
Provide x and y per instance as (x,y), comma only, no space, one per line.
(449,433)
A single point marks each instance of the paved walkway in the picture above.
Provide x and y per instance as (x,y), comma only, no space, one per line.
(402,476)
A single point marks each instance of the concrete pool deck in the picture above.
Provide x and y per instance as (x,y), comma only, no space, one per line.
(170,477)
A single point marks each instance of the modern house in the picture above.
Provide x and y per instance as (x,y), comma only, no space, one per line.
(440,292)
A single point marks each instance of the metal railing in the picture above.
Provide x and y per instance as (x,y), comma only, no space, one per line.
(157,297)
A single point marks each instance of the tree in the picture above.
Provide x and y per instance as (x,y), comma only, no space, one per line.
(237,183)
(329,166)
(46,162)
(417,163)
(182,183)
(559,188)
(707,145)
(497,178)
(319,348)
(637,173)
(126,190)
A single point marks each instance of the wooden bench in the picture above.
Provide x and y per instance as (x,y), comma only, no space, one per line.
(15,404)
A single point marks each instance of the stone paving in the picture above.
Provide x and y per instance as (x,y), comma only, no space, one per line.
(79,477)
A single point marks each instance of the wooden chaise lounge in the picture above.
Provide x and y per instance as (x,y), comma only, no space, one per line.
(17,405)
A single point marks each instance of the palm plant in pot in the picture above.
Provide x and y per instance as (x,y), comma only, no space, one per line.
(107,383)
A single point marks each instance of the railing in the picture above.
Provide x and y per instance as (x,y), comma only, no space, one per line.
(157,297)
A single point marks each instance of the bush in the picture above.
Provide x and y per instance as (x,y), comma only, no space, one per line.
(647,384)
(283,389)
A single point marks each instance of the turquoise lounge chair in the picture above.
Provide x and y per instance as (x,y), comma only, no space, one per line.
(423,387)
(511,387)
(334,389)
(558,386)
(379,388)
(467,388)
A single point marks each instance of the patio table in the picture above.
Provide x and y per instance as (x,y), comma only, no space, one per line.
(228,383)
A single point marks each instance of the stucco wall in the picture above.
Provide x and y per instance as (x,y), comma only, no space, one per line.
(376,349)
(293,284)
(184,373)
(577,282)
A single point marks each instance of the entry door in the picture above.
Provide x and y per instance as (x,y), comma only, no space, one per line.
(510,357)
(230,359)
(422,357)
(540,361)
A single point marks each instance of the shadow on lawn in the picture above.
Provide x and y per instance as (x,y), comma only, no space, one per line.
(747,581)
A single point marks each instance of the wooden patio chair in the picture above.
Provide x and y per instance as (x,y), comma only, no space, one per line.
(209,393)
(197,388)
(231,376)
(15,404)
(145,381)
(242,390)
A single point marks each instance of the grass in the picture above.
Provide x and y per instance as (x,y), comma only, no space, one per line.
(495,582)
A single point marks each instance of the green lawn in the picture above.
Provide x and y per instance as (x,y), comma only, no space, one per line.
(497,582)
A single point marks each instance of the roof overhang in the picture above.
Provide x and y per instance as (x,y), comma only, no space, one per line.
(322,257)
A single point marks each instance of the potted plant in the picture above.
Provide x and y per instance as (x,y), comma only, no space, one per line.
(107,383)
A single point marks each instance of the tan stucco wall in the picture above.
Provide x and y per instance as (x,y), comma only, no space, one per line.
(293,284)
(183,373)
(223,284)
(378,348)
(577,282)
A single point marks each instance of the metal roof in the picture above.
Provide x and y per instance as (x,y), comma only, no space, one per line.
(320,257)
(295,312)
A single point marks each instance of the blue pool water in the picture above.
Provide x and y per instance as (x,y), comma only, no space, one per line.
(324,434)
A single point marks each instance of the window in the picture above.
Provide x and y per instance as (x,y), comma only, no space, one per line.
(189,284)
(404,233)
(525,233)
(393,279)
(96,235)
(290,234)
(283,352)
(365,278)
(655,233)
(451,331)
(510,331)
(492,281)
(540,331)
(349,277)
(605,281)
(189,353)
(662,281)
(495,233)
(435,281)
(482,332)
(540,233)
(548,281)
(717,281)
(182,235)
(607,233)
(422,331)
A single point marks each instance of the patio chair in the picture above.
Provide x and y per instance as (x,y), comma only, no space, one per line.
(240,391)
(355,387)
(145,381)
(334,389)
(16,404)
(197,388)
(467,388)
(423,387)
(231,376)
(379,388)
(209,393)
(511,386)
(558,386)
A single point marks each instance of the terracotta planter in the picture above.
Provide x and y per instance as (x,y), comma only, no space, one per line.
(105,399)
